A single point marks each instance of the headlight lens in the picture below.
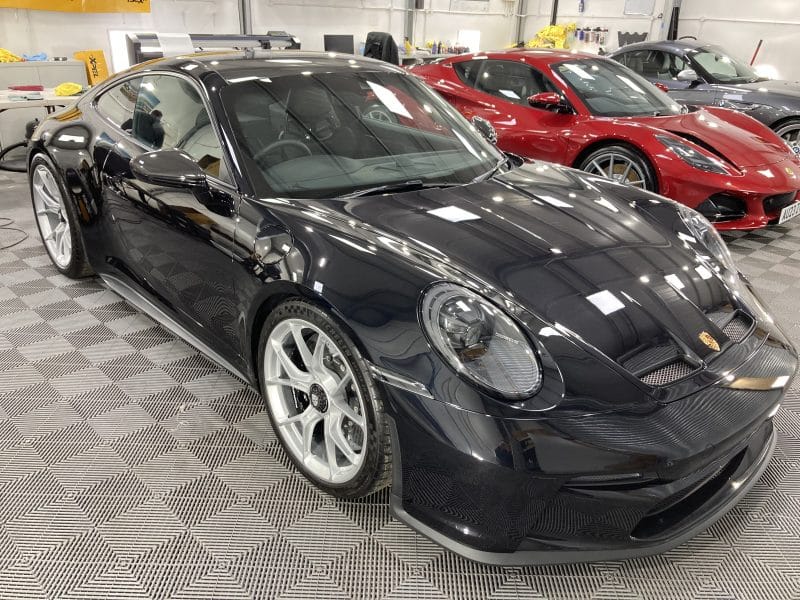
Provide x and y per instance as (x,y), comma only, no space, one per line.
(692,157)
(480,340)
(705,233)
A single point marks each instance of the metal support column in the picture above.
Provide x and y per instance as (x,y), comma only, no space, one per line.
(554,14)
(245,18)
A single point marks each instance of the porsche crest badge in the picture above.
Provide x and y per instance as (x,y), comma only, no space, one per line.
(709,341)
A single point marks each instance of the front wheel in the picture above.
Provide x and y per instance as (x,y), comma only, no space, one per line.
(322,401)
(622,164)
(56,219)
(789,131)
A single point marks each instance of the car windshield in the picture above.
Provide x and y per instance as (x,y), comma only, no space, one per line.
(721,67)
(609,89)
(323,135)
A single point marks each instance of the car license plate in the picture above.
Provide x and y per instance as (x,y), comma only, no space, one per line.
(790,212)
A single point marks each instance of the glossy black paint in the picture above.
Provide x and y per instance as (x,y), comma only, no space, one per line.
(577,467)
(772,102)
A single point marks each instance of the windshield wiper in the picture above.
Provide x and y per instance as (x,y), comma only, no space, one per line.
(492,172)
(404,186)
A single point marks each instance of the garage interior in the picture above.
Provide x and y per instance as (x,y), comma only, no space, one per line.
(132,466)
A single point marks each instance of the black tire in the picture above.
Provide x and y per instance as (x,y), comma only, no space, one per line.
(787,126)
(375,472)
(78,266)
(634,156)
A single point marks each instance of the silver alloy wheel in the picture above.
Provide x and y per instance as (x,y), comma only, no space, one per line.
(314,401)
(48,203)
(619,168)
(791,135)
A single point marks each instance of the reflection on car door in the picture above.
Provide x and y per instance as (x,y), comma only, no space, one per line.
(503,90)
(178,240)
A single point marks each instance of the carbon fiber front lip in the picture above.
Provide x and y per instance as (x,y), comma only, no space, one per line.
(723,501)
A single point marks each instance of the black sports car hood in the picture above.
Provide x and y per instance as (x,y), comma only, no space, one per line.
(581,253)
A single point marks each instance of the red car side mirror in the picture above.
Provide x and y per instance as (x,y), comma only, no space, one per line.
(661,86)
(548,100)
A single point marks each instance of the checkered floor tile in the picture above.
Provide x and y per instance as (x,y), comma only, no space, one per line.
(132,467)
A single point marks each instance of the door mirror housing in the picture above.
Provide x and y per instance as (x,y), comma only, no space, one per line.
(168,168)
(486,129)
(549,101)
(689,76)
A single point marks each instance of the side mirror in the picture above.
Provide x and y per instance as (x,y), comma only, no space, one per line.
(485,128)
(169,168)
(689,76)
(661,86)
(549,100)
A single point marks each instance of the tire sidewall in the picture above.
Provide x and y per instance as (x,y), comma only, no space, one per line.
(75,266)
(363,481)
(651,181)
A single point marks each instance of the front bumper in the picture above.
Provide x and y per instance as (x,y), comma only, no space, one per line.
(753,188)
(581,488)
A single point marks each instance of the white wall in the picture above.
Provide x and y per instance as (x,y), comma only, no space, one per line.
(440,20)
(737,27)
(61,34)
(600,13)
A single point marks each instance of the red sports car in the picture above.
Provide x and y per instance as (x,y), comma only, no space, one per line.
(597,115)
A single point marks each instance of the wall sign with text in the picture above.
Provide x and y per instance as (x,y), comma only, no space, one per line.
(87,6)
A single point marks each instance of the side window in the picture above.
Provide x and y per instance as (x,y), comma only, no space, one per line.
(663,65)
(511,81)
(169,113)
(467,71)
(635,60)
(117,104)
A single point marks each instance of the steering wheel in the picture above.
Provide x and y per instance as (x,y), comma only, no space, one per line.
(302,149)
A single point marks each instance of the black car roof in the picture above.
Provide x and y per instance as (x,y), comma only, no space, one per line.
(677,45)
(264,63)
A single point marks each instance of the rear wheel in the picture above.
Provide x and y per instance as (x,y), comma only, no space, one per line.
(621,164)
(790,132)
(322,401)
(56,219)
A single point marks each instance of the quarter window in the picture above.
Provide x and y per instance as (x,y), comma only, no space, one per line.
(467,71)
(170,114)
(117,104)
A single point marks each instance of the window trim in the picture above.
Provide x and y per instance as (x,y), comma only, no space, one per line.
(206,104)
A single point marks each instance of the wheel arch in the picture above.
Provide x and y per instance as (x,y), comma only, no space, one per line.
(597,145)
(271,300)
(784,120)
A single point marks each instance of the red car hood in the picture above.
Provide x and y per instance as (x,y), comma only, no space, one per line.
(738,146)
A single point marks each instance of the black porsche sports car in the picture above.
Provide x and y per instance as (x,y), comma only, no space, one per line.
(545,365)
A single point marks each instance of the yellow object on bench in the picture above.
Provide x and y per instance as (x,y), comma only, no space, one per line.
(6,56)
(68,89)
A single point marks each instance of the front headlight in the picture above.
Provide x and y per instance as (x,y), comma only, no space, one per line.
(705,233)
(480,341)
(692,157)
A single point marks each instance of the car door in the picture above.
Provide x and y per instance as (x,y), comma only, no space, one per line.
(503,88)
(178,240)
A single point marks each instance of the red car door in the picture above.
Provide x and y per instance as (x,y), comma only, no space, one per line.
(499,93)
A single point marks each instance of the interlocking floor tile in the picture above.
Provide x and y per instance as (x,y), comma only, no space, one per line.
(133,467)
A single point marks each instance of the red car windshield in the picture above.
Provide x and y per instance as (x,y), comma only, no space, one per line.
(609,89)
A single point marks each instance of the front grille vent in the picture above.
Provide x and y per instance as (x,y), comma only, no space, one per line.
(738,327)
(778,202)
(666,374)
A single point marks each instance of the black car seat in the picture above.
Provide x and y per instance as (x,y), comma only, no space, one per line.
(311,118)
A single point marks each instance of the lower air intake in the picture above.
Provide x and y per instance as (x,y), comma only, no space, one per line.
(666,374)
